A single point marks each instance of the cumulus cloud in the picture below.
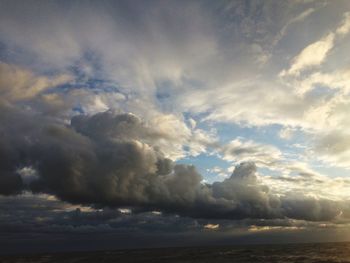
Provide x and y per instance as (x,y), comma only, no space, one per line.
(111,160)
(104,146)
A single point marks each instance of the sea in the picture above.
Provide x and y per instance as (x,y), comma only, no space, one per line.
(298,253)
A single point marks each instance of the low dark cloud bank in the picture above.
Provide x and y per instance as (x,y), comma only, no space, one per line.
(112,160)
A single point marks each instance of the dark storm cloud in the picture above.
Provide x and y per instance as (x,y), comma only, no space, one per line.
(54,225)
(111,160)
(42,214)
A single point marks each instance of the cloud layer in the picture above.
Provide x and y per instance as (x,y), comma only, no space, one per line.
(112,160)
(211,116)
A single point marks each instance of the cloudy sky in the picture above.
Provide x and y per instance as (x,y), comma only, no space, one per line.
(161,123)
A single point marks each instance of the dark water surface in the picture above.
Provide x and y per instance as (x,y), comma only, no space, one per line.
(330,252)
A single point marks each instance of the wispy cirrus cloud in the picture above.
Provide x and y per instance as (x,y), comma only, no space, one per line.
(315,53)
(312,55)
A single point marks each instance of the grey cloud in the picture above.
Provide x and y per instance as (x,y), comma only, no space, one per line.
(109,160)
(312,209)
(164,62)
(50,223)
(41,214)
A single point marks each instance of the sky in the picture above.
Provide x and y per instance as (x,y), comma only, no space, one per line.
(173,123)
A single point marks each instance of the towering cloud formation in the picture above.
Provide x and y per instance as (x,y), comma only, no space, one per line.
(113,160)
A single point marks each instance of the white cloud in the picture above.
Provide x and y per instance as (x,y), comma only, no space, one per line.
(202,67)
(333,148)
(220,172)
(286,133)
(344,28)
(239,150)
(17,83)
(338,79)
(315,54)
(312,55)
